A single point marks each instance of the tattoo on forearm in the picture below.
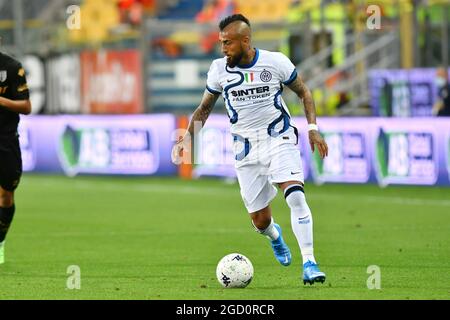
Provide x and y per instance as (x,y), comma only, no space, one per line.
(303,92)
(203,111)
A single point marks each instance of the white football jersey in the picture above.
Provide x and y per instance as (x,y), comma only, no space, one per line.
(252,94)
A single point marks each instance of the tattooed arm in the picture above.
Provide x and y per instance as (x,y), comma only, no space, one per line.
(203,110)
(200,115)
(304,94)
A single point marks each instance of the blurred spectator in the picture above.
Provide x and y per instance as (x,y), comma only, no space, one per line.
(165,47)
(131,11)
(213,11)
(340,98)
(442,106)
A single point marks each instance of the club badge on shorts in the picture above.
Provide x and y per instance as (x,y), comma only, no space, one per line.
(3,75)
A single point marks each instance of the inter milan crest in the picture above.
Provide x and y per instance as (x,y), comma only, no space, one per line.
(3,75)
(266,76)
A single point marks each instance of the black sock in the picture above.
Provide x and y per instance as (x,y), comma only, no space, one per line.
(6,216)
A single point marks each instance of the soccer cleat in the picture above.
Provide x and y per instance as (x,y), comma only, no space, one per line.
(311,273)
(280,249)
(2,252)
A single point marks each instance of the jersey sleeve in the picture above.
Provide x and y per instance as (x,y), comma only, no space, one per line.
(286,69)
(212,82)
(19,86)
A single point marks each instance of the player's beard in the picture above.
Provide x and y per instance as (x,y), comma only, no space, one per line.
(234,61)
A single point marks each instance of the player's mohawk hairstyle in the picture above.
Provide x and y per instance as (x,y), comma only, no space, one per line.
(235,17)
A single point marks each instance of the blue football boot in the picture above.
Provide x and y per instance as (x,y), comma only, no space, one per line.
(311,273)
(280,249)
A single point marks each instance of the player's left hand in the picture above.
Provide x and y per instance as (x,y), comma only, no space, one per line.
(315,139)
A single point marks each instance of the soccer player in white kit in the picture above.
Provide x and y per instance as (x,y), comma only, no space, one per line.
(251,82)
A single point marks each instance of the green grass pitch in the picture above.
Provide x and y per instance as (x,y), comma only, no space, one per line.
(156,238)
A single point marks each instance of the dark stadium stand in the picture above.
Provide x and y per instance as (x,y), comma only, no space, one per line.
(183,10)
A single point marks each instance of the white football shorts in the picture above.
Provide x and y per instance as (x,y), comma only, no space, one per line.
(280,164)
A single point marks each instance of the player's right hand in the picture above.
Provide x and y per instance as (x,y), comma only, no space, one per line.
(177,151)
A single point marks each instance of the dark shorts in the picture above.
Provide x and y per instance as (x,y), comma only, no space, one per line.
(10,162)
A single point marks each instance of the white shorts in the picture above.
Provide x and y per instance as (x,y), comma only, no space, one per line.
(256,180)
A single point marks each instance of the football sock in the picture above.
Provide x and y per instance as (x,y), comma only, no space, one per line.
(270,232)
(6,216)
(301,220)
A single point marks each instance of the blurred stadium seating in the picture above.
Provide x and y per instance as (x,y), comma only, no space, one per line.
(328,40)
(181,10)
(264,11)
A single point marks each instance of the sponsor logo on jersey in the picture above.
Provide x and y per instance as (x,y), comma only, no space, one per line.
(252,91)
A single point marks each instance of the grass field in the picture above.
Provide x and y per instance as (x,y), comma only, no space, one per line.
(146,238)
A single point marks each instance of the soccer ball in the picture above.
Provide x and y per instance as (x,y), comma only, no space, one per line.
(234,271)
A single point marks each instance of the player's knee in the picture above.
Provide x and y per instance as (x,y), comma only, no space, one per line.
(6,199)
(296,200)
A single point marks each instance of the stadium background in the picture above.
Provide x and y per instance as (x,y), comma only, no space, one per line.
(111,81)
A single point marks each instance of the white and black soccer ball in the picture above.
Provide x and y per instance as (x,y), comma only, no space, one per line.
(234,271)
